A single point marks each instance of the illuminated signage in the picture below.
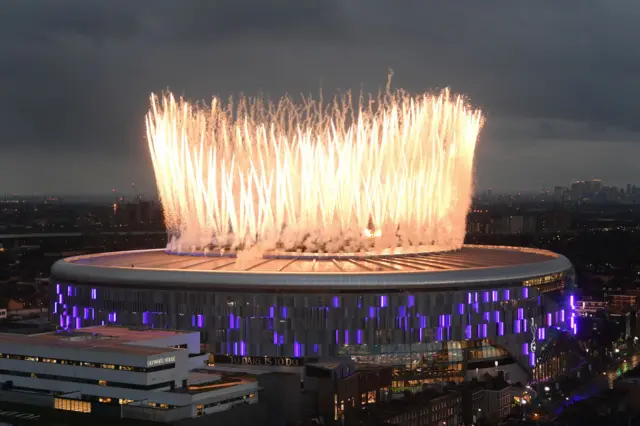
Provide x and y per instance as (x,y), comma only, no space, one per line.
(161,361)
(260,360)
(534,328)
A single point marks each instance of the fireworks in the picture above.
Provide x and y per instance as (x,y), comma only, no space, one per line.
(384,172)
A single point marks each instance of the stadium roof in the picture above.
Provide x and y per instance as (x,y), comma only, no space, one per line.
(467,266)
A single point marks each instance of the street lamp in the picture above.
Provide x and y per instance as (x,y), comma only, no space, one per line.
(547,389)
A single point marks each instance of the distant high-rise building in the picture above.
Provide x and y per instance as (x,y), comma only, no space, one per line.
(557,193)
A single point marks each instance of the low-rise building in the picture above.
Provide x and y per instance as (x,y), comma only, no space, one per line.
(129,373)
(427,408)
(498,397)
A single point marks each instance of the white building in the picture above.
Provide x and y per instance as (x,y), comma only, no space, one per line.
(151,374)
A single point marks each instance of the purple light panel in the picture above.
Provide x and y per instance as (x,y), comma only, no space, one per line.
(346,337)
(57,288)
(549,319)
(359,337)
(94,294)
(506,294)
(500,329)
(525,348)
(200,320)
(532,359)
(145,318)
(520,313)
(411,300)
(336,302)
(485,296)
(516,326)
(383,301)
(525,292)
(296,349)
(461,309)
(467,332)
(541,333)
(496,315)
(494,295)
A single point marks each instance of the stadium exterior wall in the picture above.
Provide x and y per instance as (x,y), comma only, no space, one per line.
(391,324)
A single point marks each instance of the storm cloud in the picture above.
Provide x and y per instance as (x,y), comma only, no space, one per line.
(558,81)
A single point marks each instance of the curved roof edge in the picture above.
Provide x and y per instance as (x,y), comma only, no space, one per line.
(68,270)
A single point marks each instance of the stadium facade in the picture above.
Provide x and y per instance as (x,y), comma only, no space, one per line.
(433,316)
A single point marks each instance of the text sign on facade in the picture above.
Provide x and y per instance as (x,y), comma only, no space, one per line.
(259,360)
(161,361)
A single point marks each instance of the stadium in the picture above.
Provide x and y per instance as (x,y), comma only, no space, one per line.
(432,316)
(296,236)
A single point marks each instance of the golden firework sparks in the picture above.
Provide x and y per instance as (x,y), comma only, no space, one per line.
(385,172)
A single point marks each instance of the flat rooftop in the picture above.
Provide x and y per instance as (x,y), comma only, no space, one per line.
(82,341)
(129,334)
(206,380)
(158,268)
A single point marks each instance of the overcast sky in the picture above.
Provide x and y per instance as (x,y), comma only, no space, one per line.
(558,81)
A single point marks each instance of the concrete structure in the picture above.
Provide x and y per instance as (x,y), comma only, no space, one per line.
(146,374)
(437,315)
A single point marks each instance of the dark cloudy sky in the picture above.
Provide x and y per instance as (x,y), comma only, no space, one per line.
(559,80)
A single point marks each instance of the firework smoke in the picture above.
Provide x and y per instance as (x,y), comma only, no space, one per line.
(376,173)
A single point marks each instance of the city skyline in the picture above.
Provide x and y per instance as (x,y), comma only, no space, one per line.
(75,81)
